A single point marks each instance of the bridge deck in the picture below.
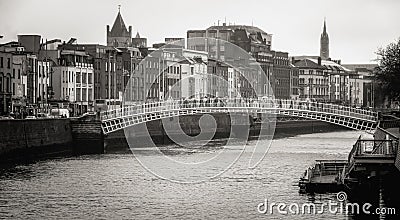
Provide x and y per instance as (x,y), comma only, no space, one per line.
(354,118)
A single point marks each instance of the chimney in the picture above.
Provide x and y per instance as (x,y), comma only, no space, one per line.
(108,29)
(319,61)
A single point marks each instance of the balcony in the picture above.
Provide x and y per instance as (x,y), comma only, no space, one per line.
(84,65)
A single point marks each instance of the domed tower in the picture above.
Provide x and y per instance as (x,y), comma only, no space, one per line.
(324,49)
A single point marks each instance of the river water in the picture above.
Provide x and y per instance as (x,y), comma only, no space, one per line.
(116,186)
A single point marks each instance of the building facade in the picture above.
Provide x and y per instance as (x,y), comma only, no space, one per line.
(313,80)
(6,70)
(275,65)
(323,80)
(362,91)
(294,82)
(282,75)
(25,87)
(19,83)
(217,83)
(73,81)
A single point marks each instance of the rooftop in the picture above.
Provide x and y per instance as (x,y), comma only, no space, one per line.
(325,64)
(248,28)
(119,28)
(361,66)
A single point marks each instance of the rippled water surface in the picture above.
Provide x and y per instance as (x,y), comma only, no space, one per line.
(116,186)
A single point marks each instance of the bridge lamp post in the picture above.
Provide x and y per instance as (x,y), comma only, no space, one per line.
(312,87)
(108,67)
(254,85)
(351,95)
(144,81)
(159,79)
(202,87)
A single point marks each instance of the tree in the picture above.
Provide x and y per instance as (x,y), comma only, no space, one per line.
(388,70)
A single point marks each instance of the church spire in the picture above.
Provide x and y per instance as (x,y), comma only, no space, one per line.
(119,35)
(324,47)
(119,28)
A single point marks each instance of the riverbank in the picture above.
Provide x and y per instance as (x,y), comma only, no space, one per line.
(33,139)
(24,140)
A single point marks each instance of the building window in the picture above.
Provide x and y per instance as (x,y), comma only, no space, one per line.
(90,95)
(78,77)
(83,77)
(90,80)
(8,63)
(78,95)
(84,95)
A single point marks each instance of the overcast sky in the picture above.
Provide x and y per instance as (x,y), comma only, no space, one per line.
(356,28)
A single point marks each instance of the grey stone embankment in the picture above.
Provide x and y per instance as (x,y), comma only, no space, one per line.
(26,140)
(30,139)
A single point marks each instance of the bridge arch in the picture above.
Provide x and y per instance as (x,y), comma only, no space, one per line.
(354,118)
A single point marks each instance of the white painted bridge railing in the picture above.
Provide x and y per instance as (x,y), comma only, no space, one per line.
(333,113)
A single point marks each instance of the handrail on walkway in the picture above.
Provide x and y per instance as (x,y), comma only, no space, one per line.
(274,104)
